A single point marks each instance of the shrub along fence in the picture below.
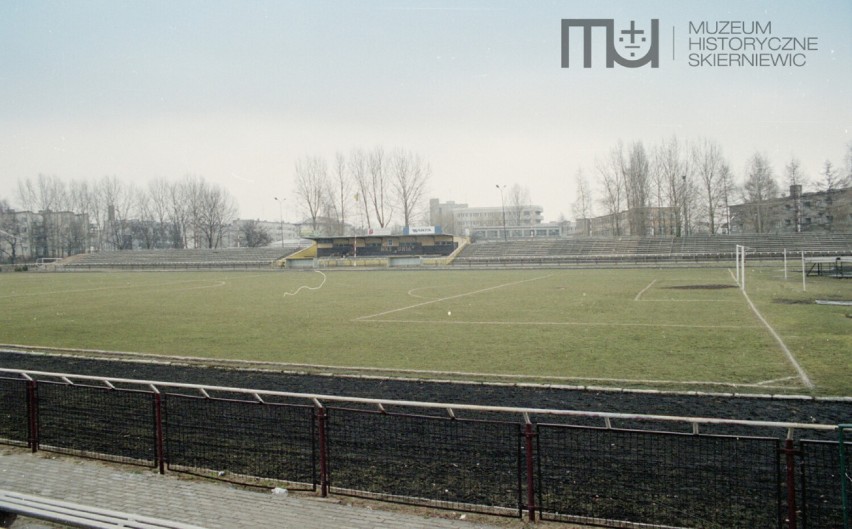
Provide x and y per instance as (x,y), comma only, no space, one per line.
(613,469)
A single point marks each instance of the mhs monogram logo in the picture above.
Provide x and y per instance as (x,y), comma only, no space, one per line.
(630,41)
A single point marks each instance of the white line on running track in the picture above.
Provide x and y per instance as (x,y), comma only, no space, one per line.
(155,358)
(364,318)
(792,359)
(639,295)
(305,287)
(558,323)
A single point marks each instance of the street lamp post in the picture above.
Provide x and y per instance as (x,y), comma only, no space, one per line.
(503,207)
(281,216)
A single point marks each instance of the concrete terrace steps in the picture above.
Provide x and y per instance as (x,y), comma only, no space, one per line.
(719,246)
(254,257)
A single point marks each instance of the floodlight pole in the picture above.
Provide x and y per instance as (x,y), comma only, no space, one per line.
(503,207)
(785,264)
(281,217)
(804,274)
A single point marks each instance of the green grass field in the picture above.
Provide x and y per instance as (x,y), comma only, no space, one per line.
(667,329)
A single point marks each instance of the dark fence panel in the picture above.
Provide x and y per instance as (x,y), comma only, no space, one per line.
(14,415)
(452,463)
(821,488)
(115,424)
(676,480)
(245,438)
(603,476)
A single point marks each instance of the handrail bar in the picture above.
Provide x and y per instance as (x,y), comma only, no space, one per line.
(319,398)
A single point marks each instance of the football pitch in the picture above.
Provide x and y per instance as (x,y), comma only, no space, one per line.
(670,329)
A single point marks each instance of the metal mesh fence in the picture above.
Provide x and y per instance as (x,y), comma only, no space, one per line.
(412,453)
(451,463)
(241,438)
(821,490)
(657,478)
(105,423)
(14,416)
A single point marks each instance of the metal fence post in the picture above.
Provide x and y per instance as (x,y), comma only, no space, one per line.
(844,475)
(158,428)
(528,439)
(323,446)
(790,454)
(32,414)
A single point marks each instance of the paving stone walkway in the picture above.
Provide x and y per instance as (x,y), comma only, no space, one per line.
(204,503)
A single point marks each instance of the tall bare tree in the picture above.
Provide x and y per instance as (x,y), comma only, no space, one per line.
(759,187)
(727,189)
(118,198)
(358,170)
(707,163)
(672,164)
(341,193)
(793,174)
(583,205)
(312,186)
(611,172)
(637,183)
(217,210)
(9,233)
(380,187)
(830,178)
(518,202)
(409,177)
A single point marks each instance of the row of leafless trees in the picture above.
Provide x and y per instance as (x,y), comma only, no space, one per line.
(189,213)
(678,189)
(376,187)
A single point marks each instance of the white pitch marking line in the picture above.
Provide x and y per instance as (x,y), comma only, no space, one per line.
(670,300)
(639,295)
(363,318)
(558,323)
(413,290)
(792,359)
(305,287)
(765,382)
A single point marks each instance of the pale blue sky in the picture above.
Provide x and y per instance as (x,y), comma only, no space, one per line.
(235,91)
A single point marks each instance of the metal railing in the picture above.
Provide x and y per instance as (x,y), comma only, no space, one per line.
(599,467)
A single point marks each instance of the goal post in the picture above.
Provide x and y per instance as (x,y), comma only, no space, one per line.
(740,255)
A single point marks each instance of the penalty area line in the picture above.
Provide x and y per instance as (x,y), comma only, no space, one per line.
(431,301)
(803,377)
(639,295)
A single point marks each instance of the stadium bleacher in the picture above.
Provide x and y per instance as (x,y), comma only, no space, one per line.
(651,249)
(228,258)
